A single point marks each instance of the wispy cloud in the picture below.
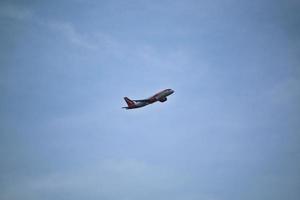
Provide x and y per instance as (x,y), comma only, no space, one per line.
(113,179)
(15,13)
(141,54)
(63,28)
(68,31)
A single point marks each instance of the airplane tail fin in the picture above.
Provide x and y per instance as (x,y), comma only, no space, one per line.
(129,102)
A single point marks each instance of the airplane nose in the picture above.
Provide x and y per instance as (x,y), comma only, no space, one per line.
(172,91)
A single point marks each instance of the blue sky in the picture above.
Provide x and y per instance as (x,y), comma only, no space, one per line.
(230,130)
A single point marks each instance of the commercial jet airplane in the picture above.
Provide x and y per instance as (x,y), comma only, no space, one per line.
(161,96)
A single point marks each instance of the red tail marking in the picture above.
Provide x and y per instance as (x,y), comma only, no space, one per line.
(129,102)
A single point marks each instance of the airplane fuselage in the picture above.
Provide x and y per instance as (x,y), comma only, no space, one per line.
(160,96)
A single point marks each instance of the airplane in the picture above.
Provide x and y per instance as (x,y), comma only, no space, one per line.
(160,96)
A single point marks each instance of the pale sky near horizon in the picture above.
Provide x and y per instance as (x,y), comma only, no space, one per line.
(230,131)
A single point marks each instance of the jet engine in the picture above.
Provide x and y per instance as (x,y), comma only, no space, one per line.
(163,99)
